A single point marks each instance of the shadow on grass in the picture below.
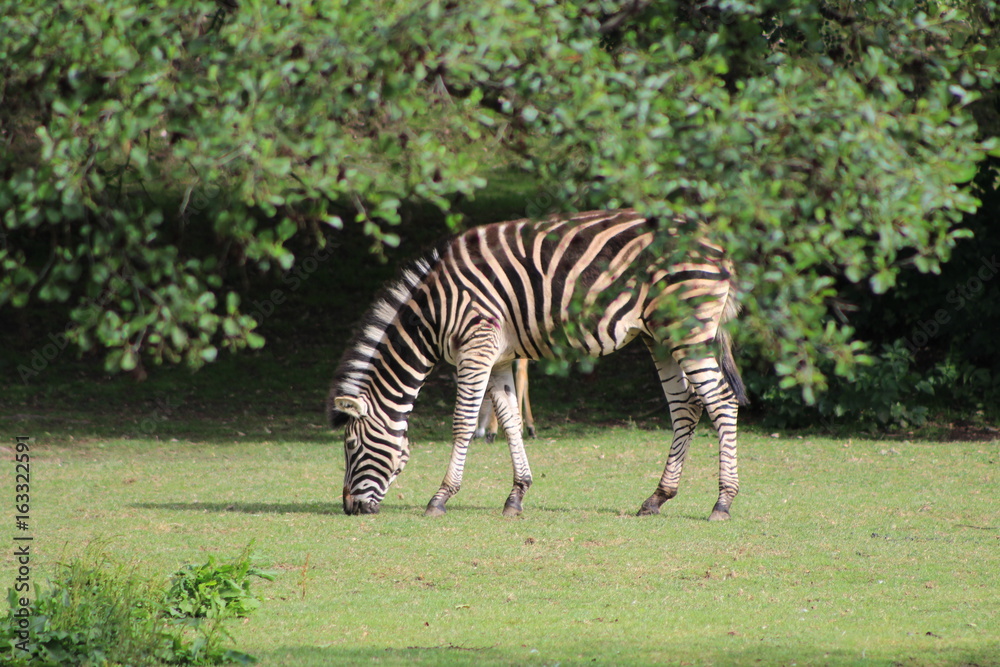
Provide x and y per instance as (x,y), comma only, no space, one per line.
(331,508)
(334,508)
(478,653)
(246,508)
(449,654)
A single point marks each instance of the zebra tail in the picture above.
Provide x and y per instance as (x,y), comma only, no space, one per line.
(729,370)
(725,340)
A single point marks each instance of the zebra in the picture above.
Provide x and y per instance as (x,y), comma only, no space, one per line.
(506,290)
(488,425)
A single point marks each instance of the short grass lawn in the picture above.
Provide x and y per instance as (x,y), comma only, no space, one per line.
(839,551)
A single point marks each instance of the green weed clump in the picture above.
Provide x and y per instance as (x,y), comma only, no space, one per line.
(214,591)
(94,612)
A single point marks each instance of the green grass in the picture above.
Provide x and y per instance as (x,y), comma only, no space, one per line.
(839,552)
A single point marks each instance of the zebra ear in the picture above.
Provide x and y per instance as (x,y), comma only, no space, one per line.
(351,406)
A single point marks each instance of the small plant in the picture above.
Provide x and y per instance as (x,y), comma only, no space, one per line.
(214,591)
(96,613)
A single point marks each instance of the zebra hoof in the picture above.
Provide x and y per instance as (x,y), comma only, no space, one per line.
(652,504)
(434,509)
(719,515)
(490,438)
(512,509)
(531,432)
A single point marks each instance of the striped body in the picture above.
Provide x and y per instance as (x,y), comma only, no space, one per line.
(510,290)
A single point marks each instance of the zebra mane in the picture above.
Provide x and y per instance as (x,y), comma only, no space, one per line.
(353,372)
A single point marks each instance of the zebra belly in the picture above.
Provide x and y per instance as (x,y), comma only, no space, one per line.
(617,326)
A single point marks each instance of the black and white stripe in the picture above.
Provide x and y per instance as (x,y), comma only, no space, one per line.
(526,289)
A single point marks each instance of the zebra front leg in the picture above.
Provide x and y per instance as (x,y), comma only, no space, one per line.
(474,362)
(452,483)
(504,398)
(463,427)
(685,411)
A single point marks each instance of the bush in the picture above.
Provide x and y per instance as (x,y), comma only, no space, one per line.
(156,149)
(890,391)
(88,614)
(96,613)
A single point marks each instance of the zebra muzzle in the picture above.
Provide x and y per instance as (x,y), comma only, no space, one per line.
(353,505)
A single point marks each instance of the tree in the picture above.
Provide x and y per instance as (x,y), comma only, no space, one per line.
(149,148)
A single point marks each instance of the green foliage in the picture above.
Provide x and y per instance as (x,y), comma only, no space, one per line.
(889,391)
(214,591)
(842,163)
(97,613)
(88,615)
(153,149)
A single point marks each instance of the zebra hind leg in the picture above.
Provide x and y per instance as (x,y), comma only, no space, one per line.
(487,427)
(722,406)
(685,411)
(523,402)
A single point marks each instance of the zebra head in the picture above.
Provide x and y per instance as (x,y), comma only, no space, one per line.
(374,454)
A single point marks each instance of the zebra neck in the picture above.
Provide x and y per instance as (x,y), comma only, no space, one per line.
(397,371)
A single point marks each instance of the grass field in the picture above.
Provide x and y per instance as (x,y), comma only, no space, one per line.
(841,551)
